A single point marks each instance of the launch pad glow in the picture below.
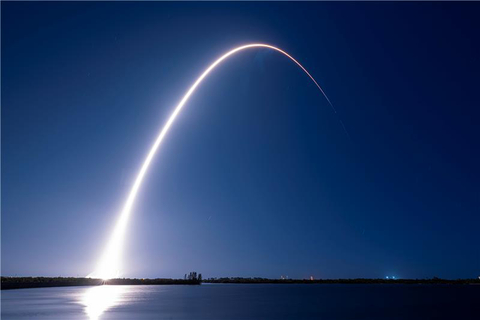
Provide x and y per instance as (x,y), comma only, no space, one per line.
(110,262)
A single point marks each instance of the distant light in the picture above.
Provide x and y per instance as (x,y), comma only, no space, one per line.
(387,277)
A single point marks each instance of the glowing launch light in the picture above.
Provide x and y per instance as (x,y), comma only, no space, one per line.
(109,266)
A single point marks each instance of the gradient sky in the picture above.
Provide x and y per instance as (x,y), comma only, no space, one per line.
(256,177)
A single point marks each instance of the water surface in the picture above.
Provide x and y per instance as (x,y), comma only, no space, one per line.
(243,301)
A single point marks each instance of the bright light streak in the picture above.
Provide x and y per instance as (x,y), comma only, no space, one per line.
(110,263)
(98,299)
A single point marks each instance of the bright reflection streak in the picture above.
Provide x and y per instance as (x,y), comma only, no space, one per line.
(110,264)
(100,298)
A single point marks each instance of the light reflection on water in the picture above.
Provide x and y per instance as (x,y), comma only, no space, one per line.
(97,300)
(242,302)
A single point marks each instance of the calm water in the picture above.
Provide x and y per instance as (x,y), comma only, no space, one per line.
(252,302)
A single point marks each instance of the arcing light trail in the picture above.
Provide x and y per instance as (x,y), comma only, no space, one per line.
(109,266)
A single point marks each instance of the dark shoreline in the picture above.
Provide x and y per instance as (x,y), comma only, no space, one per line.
(43,282)
(432,281)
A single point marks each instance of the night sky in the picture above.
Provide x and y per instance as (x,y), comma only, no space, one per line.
(257,176)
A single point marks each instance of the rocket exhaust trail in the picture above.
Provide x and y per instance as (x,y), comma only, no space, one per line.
(109,265)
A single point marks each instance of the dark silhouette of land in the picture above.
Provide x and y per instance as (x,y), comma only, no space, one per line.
(195,279)
(41,282)
(434,280)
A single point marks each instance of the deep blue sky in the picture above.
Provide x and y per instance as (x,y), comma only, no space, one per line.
(256,177)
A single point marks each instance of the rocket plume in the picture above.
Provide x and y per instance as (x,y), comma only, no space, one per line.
(110,263)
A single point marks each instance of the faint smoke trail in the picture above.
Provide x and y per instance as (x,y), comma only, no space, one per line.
(109,265)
